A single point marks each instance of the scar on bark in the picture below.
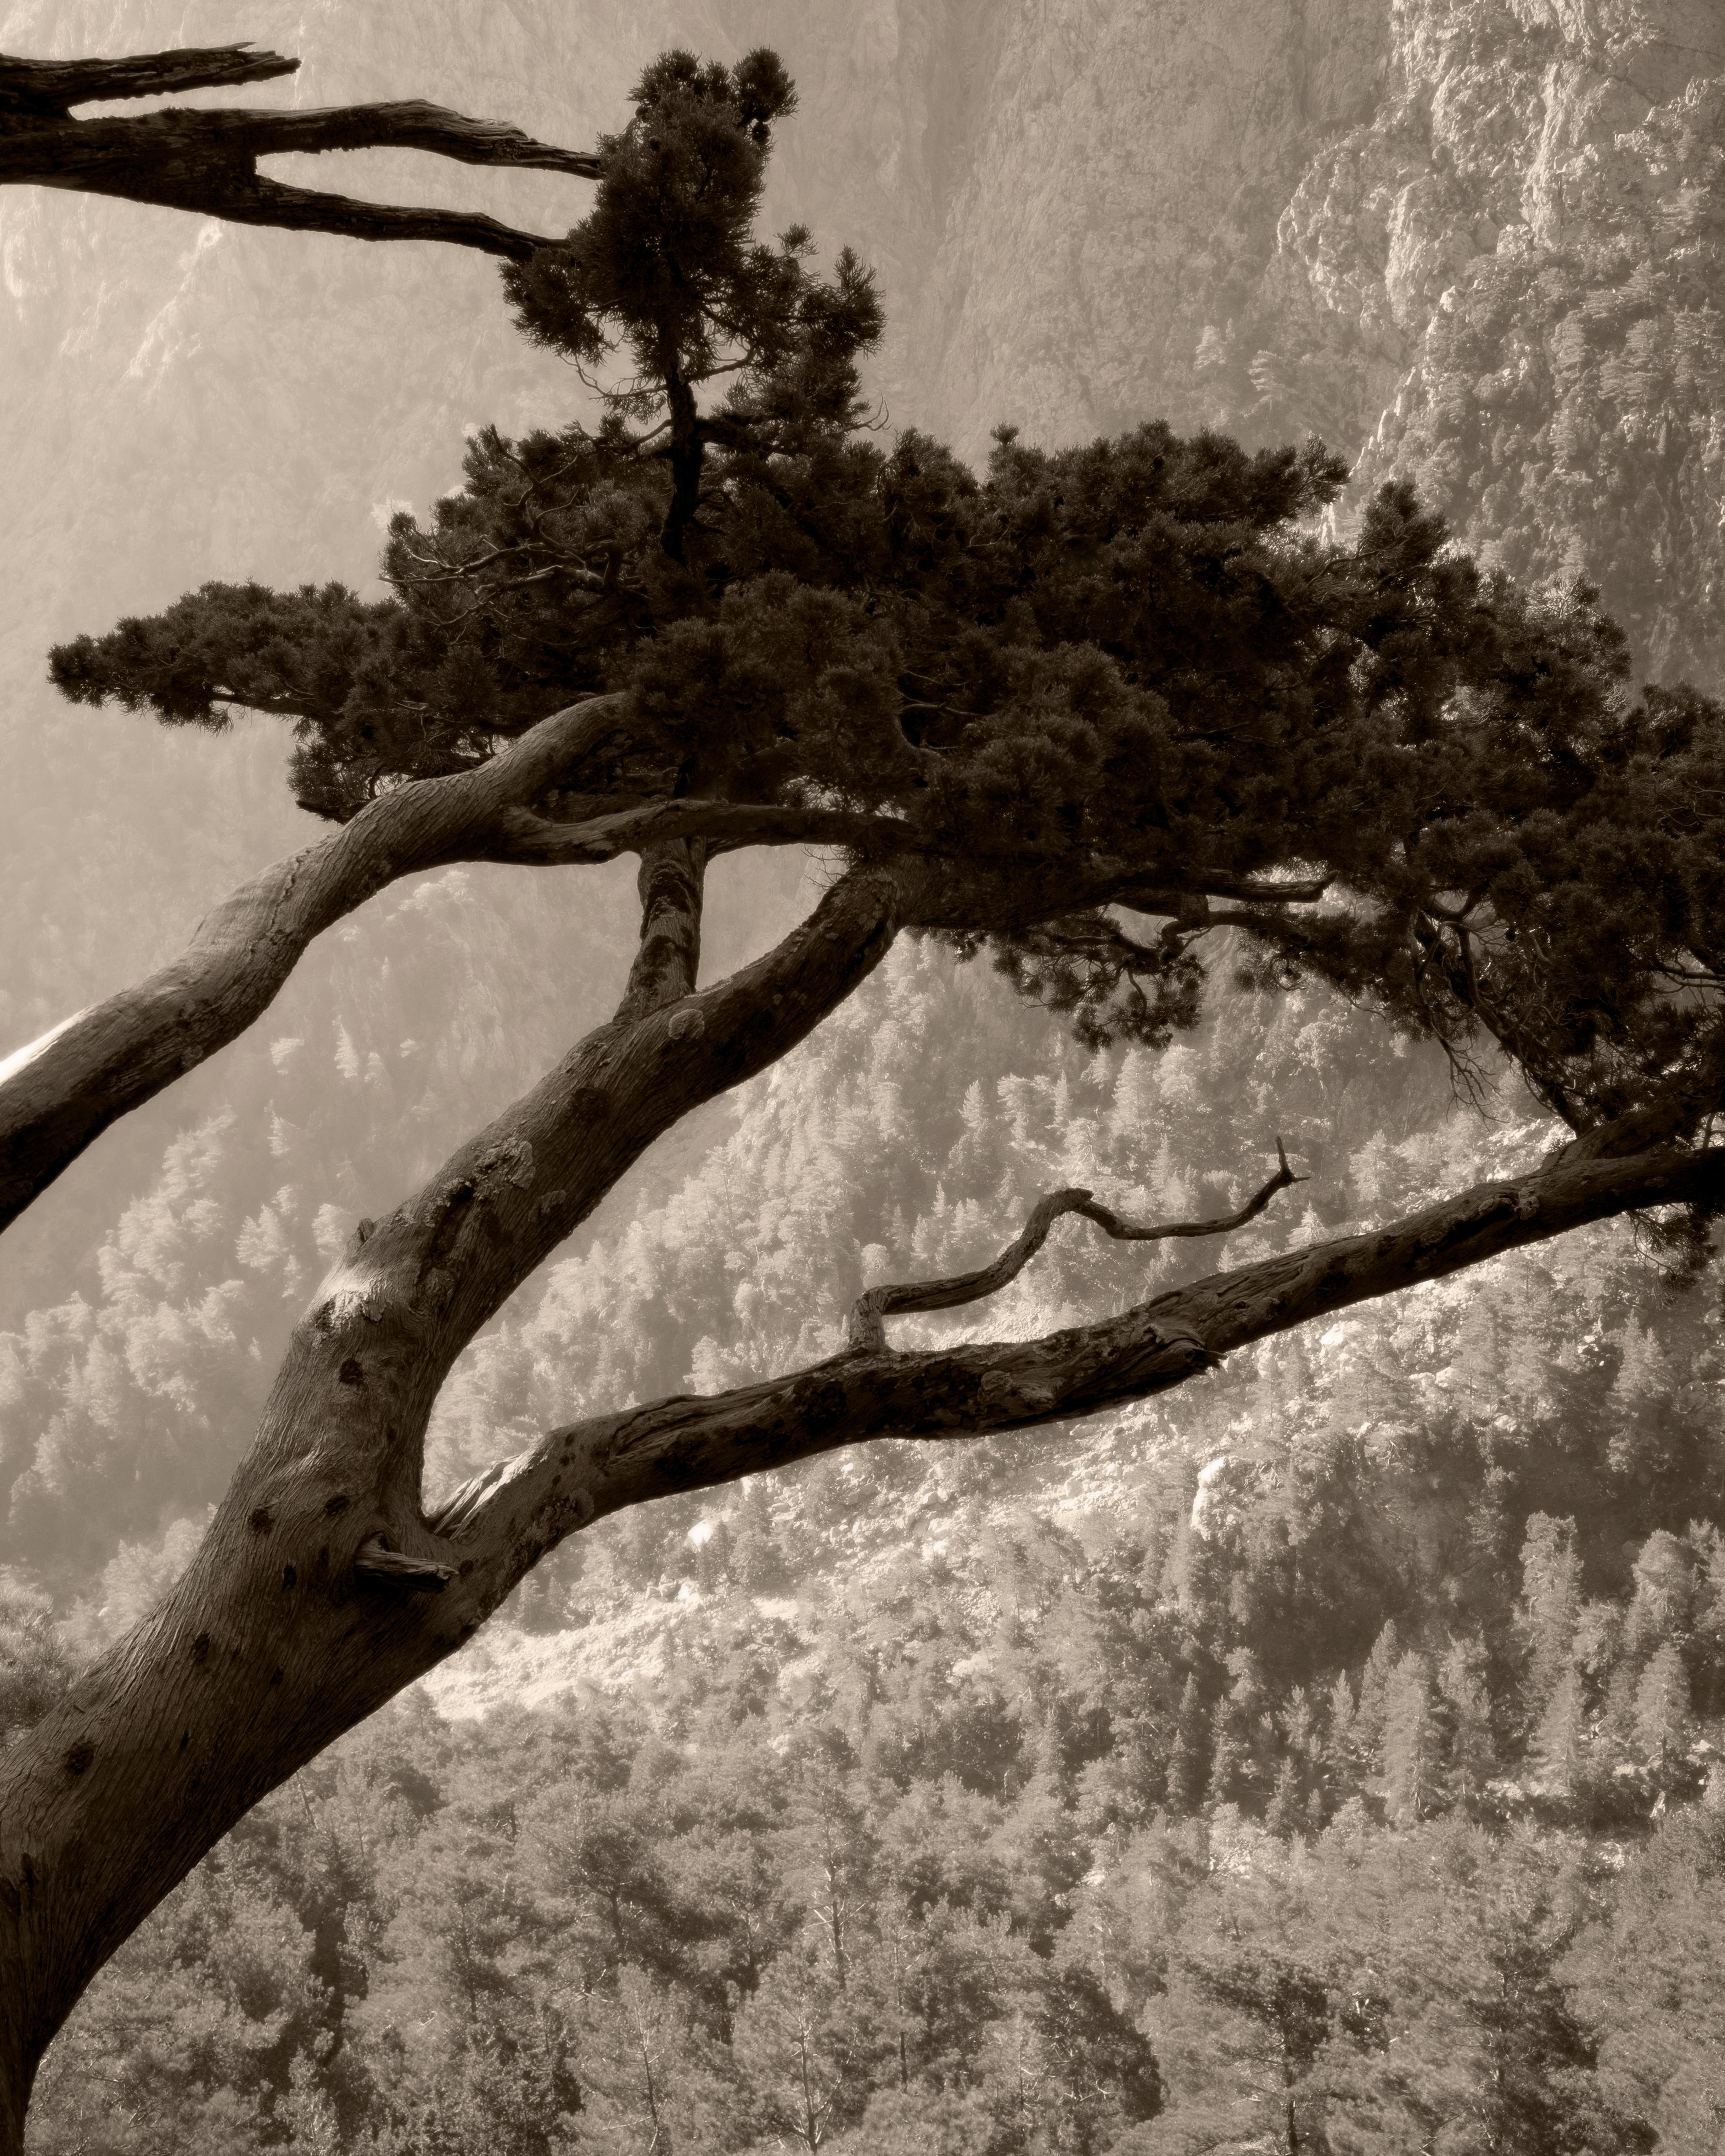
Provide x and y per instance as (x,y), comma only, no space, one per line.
(394,1568)
(207,161)
(868,1331)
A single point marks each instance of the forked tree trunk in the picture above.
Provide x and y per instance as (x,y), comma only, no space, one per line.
(302,1612)
(290,1627)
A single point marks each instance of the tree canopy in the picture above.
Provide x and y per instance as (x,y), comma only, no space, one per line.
(1146,674)
(1150,680)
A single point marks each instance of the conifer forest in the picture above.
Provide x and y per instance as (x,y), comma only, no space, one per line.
(862,1037)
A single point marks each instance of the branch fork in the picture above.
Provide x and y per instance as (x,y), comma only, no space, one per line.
(207,161)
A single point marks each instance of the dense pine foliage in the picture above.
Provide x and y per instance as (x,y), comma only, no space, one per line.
(1130,677)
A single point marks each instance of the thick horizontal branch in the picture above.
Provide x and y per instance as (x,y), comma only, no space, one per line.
(724,825)
(249,199)
(60,1094)
(868,1331)
(406,124)
(206,161)
(48,89)
(577,1474)
(1143,896)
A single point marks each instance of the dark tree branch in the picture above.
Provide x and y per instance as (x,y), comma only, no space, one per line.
(207,161)
(724,825)
(868,1331)
(668,960)
(249,199)
(1202,884)
(60,1093)
(48,89)
(577,1474)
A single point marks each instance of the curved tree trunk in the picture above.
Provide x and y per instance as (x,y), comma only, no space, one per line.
(302,1613)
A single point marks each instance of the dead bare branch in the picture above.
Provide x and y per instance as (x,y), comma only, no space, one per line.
(206,161)
(48,89)
(868,1332)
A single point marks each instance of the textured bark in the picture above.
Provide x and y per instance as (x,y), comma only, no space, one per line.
(207,161)
(284,1631)
(670,886)
(58,1096)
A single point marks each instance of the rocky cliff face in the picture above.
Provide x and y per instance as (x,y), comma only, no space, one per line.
(1128,166)
(1507,284)
(1476,241)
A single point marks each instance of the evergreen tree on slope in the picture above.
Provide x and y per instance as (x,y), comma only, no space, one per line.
(1083,713)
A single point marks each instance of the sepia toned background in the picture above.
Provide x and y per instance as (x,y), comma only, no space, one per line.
(1475,242)
(1478,243)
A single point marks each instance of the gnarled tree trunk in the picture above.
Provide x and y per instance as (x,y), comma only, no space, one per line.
(322,1587)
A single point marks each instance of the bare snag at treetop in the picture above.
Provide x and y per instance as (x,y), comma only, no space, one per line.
(207,161)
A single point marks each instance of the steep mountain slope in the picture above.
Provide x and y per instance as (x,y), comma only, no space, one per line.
(1508,284)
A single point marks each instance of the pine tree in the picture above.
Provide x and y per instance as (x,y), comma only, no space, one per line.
(1558,1751)
(1134,680)
(1663,1726)
(1374,1687)
(1189,1771)
(1287,1814)
(1541,2097)
(1661,1608)
(805,2050)
(1342,1760)
(1470,1753)
(1411,1774)
(1242,1760)
(1550,1608)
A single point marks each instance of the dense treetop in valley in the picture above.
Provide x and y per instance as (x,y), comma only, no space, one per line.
(1149,1837)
